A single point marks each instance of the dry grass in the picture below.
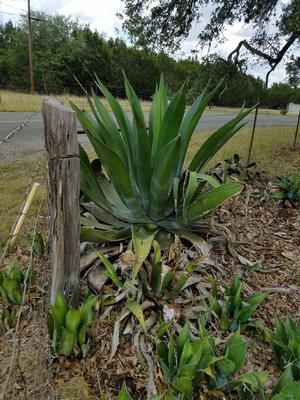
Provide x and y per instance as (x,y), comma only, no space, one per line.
(13,183)
(265,111)
(23,102)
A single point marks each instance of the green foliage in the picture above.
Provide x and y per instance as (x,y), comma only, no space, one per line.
(11,284)
(63,47)
(124,394)
(285,344)
(233,167)
(288,188)
(158,285)
(69,328)
(8,317)
(290,392)
(231,310)
(147,186)
(37,243)
(239,86)
(287,387)
(187,364)
(167,23)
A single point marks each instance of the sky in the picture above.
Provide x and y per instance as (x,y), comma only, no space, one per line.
(101,15)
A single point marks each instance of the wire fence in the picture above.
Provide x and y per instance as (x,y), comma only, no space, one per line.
(10,256)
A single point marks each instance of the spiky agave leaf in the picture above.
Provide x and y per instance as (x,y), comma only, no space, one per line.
(147,184)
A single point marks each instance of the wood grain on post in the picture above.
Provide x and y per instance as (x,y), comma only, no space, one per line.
(60,129)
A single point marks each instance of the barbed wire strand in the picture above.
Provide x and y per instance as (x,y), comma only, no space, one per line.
(11,366)
(24,123)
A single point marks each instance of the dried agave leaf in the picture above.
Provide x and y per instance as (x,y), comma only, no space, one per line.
(96,278)
(146,352)
(115,339)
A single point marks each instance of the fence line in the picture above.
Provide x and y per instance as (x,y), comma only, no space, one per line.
(16,330)
(14,131)
(39,160)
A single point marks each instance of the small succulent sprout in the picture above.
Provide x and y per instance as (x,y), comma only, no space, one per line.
(124,395)
(69,328)
(189,365)
(287,189)
(233,167)
(231,309)
(160,284)
(285,344)
(12,284)
(8,317)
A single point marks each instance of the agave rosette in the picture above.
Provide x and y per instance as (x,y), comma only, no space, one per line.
(145,184)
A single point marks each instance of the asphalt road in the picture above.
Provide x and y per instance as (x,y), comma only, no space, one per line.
(30,140)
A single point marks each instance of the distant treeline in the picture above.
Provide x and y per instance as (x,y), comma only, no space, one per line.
(63,49)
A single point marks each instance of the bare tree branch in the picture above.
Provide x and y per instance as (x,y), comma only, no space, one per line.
(273,61)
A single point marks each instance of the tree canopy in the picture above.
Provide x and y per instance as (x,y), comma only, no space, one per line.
(63,49)
(165,23)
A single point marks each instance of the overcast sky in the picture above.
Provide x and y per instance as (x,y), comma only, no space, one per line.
(101,15)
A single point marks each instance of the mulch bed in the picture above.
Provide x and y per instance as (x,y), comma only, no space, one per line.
(247,229)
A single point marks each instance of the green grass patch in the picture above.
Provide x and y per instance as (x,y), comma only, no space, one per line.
(272,149)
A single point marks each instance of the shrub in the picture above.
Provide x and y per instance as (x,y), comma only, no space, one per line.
(143,181)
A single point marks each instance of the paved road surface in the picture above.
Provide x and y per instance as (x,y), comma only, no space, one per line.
(30,138)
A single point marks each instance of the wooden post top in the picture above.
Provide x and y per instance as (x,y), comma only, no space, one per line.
(60,125)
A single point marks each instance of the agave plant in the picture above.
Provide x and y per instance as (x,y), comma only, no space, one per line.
(189,365)
(234,167)
(144,182)
(287,387)
(231,310)
(160,285)
(285,344)
(69,328)
(288,189)
(12,283)
(124,394)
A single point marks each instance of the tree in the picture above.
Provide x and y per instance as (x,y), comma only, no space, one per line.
(240,88)
(165,23)
(293,72)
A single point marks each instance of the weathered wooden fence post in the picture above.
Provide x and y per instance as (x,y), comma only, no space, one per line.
(60,129)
